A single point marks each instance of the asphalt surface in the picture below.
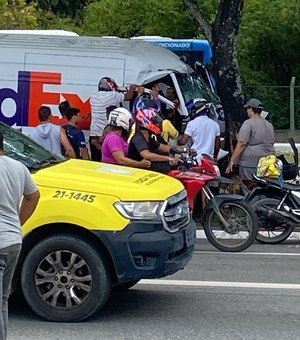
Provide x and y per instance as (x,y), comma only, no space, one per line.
(250,295)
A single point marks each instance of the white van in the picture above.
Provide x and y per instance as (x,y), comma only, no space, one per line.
(40,32)
(45,70)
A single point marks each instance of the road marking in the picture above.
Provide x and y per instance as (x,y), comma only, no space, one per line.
(246,253)
(222,284)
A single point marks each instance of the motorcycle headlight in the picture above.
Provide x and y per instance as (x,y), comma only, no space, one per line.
(147,210)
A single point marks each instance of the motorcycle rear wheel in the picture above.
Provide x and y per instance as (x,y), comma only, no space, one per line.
(242,230)
(270,231)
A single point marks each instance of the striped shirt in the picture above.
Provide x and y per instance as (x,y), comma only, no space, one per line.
(99,102)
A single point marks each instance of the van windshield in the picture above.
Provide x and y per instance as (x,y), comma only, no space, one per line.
(193,86)
(23,149)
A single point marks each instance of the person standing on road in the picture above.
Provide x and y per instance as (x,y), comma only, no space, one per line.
(62,120)
(255,140)
(51,136)
(107,95)
(202,130)
(15,183)
(168,129)
(62,107)
(178,118)
(74,134)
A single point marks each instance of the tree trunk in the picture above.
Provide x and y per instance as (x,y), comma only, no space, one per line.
(222,35)
(225,63)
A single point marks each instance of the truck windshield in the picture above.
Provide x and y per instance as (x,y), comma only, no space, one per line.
(23,149)
(192,86)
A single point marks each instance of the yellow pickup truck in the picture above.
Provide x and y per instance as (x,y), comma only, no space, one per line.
(97,226)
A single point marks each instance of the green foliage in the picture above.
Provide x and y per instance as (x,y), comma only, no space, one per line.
(127,18)
(269,47)
(48,20)
(17,15)
(63,8)
(269,41)
(209,9)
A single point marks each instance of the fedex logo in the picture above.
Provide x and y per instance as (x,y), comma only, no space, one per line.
(30,95)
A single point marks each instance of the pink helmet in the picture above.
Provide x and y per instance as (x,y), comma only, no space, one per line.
(149,119)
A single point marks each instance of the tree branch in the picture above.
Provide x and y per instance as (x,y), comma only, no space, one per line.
(197,14)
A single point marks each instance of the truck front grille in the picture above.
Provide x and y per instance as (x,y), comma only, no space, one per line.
(176,214)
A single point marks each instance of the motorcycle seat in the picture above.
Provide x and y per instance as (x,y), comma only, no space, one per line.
(285,185)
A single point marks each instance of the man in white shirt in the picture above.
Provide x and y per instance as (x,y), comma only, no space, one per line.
(107,95)
(202,130)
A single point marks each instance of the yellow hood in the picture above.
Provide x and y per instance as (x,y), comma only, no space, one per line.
(101,178)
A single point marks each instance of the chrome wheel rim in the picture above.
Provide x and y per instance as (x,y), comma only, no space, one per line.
(63,279)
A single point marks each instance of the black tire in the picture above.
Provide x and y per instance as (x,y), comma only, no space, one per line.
(70,274)
(270,231)
(237,237)
(125,286)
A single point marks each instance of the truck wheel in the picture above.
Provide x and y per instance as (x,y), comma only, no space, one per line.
(64,278)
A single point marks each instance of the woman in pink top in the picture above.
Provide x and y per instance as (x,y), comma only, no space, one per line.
(115,147)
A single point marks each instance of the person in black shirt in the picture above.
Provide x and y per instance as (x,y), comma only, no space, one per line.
(147,142)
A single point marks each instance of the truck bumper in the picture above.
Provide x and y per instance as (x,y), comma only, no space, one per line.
(147,251)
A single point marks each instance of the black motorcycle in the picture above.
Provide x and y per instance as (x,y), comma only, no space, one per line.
(276,203)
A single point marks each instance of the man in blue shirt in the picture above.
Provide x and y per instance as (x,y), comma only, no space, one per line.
(74,134)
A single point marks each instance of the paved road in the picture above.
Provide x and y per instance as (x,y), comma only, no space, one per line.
(249,295)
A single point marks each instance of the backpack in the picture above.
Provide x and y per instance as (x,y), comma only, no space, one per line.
(269,166)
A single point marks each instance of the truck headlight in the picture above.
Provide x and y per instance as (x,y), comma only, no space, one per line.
(148,210)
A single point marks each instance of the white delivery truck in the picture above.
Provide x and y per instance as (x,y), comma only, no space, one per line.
(43,69)
(40,32)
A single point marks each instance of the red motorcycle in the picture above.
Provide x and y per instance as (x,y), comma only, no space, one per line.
(229,223)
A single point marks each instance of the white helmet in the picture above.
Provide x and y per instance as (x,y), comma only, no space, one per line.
(120,117)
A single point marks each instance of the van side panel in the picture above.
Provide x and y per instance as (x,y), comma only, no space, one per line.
(45,70)
(30,80)
(55,78)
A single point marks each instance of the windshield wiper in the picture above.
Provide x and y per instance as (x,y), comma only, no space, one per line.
(54,159)
(51,161)
(43,164)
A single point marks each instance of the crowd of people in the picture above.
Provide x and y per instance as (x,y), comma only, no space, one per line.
(138,138)
(141,137)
